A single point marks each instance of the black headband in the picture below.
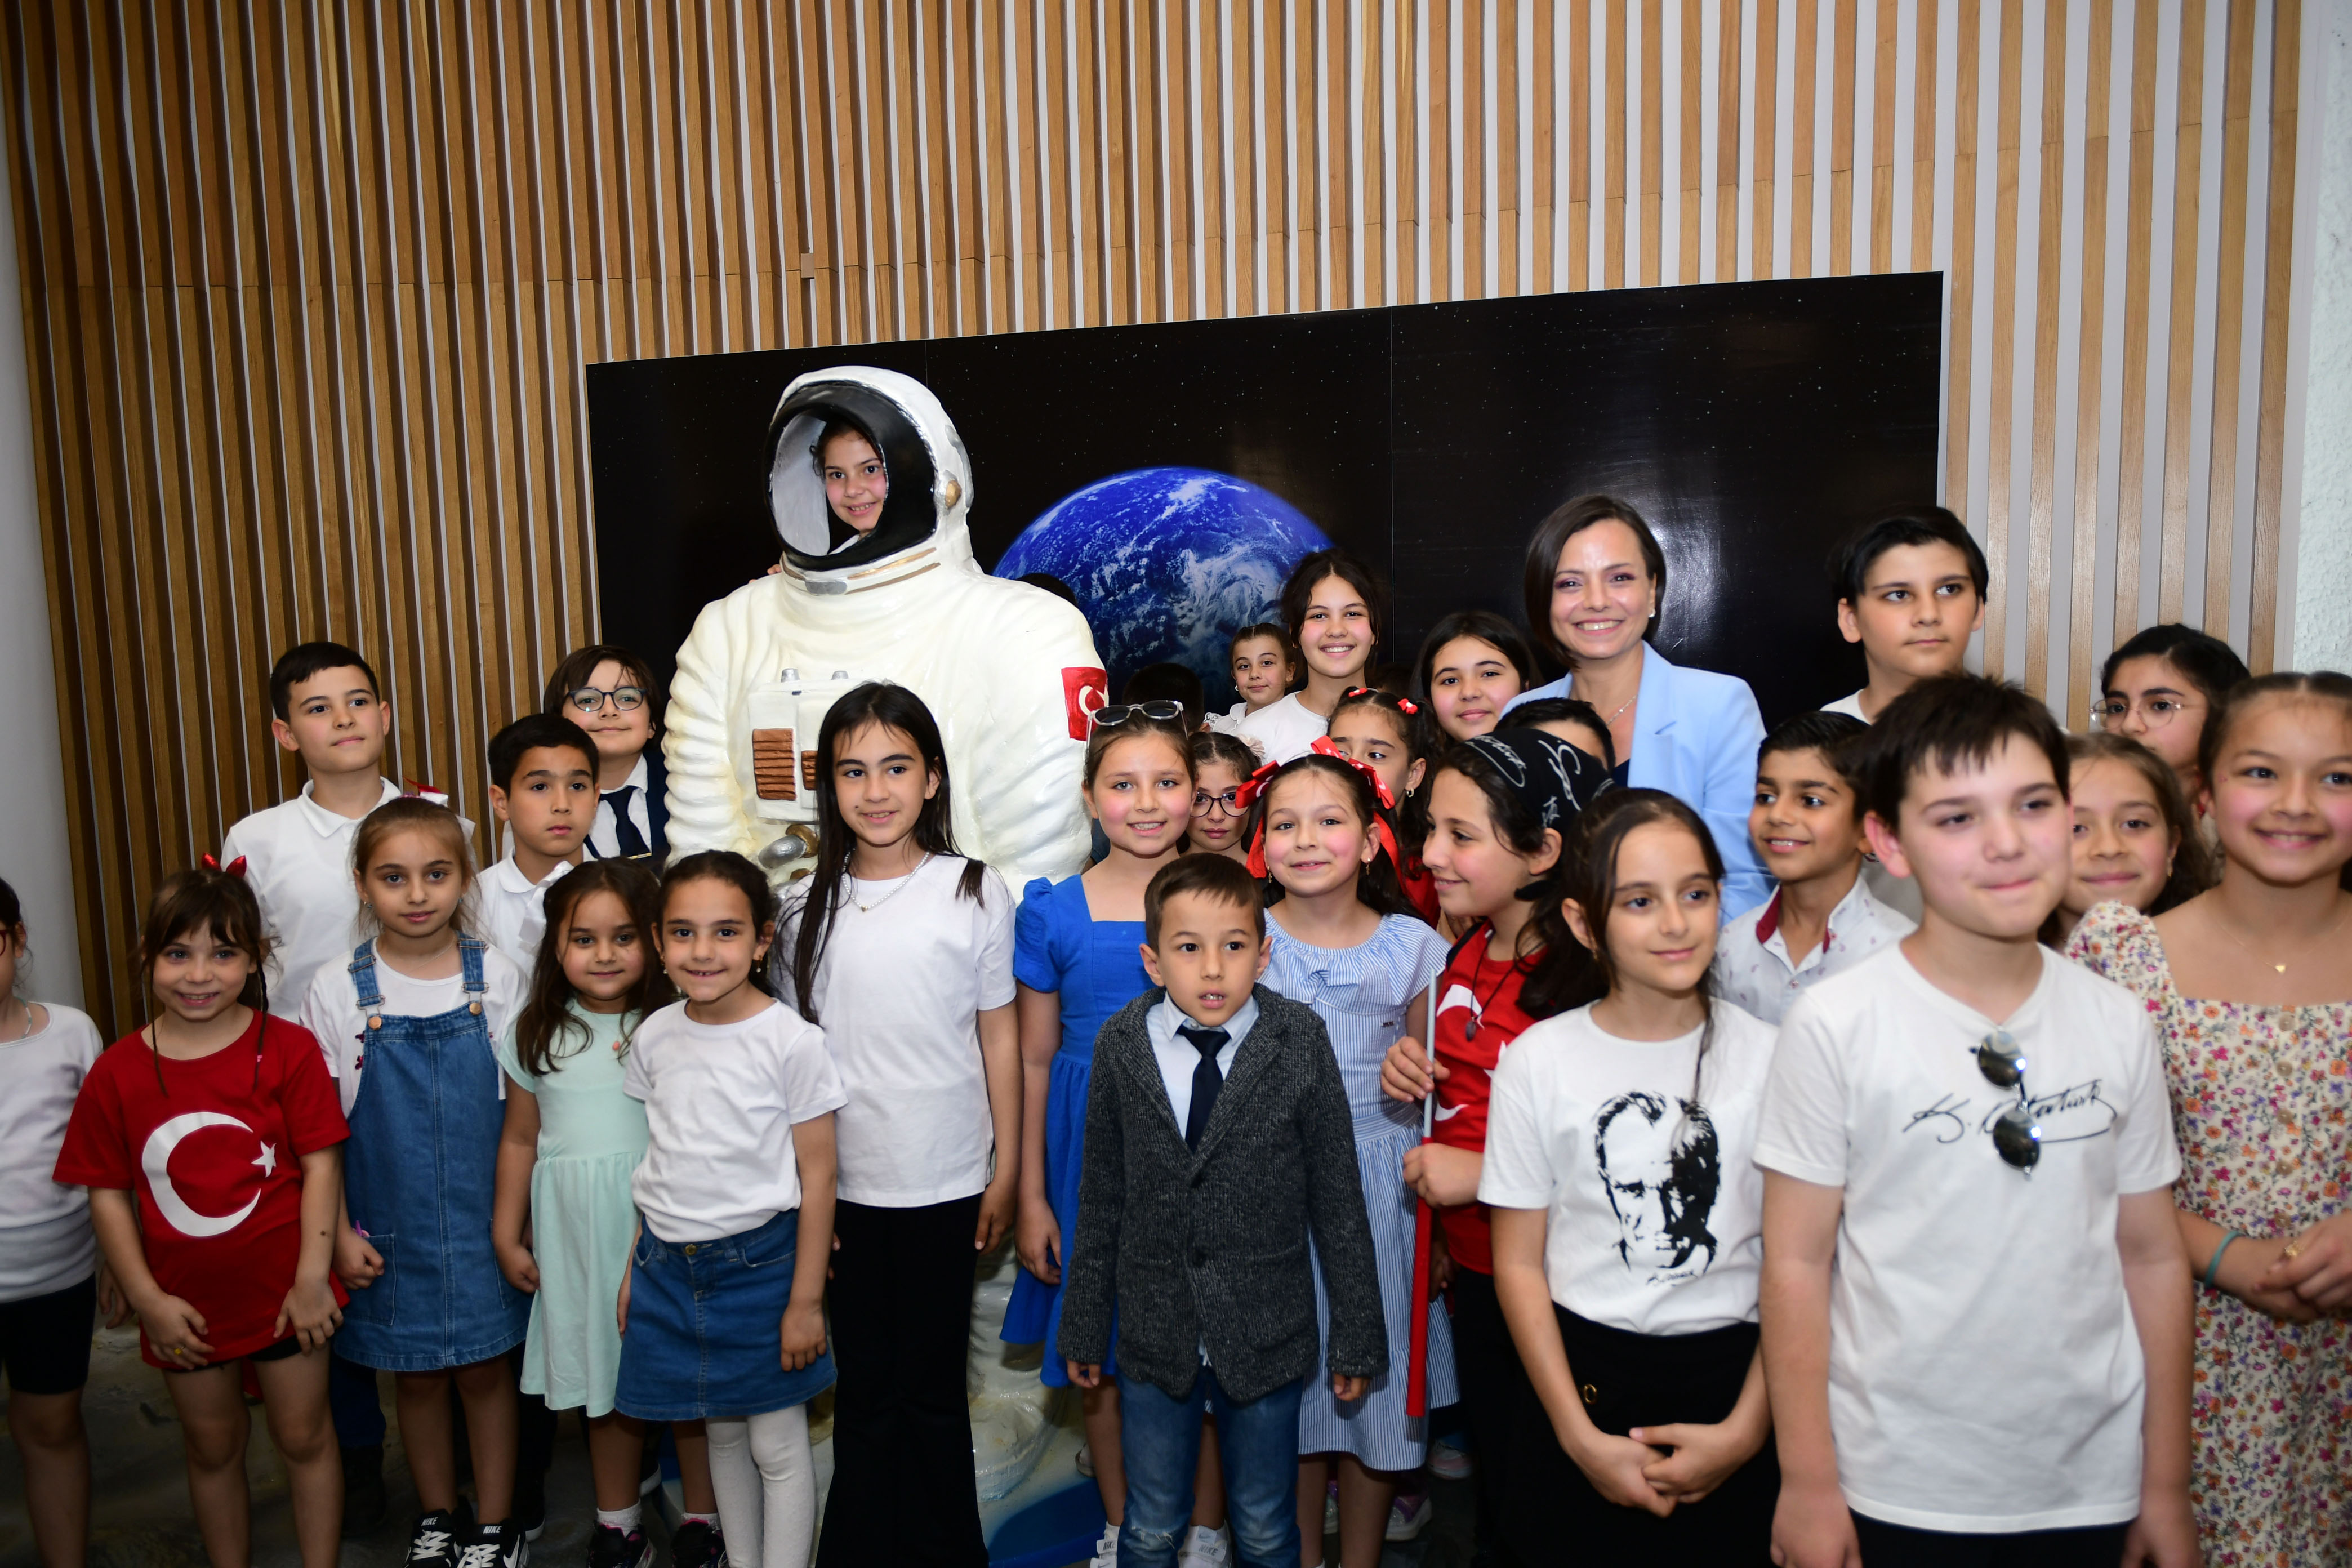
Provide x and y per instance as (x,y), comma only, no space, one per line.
(1551,778)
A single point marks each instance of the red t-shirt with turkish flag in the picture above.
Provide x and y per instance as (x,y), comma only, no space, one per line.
(1477,990)
(212,1149)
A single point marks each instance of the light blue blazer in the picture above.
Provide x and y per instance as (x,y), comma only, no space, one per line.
(1695,737)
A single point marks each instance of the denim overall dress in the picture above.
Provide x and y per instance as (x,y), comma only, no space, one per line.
(418,1175)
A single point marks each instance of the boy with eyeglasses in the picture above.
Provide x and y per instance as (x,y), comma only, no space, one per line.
(609,693)
(1975,1304)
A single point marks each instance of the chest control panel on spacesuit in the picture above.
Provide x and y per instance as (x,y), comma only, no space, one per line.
(786,717)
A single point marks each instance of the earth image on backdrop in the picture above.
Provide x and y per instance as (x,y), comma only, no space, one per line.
(1168,563)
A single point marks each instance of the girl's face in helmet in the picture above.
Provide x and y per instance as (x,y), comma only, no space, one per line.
(855,482)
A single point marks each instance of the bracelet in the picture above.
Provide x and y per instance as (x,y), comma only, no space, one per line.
(2215,1267)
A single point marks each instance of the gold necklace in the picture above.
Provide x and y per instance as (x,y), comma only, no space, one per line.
(2257,957)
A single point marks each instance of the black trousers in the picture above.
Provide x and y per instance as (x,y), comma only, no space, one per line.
(1644,1380)
(2101,1546)
(1493,1389)
(902,1322)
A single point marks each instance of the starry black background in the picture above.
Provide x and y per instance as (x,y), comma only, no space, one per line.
(1753,424)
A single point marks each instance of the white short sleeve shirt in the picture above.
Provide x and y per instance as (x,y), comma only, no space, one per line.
(1654,1204)
(45,1242)
(1285,729)
(514,910)
(1984,1373)
(899,990)
(721,1102)
(297,858)
(333,1013)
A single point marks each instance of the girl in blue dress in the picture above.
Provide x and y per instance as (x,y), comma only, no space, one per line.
(1077,959)
(1346,941)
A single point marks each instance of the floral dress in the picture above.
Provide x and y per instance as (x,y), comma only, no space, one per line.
(2262,1102)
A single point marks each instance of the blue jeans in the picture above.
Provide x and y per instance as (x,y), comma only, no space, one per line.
(1160,1437)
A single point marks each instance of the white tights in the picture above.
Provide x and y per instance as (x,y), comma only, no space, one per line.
(766,1483)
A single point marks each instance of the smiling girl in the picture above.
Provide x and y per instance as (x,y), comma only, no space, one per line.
(2135,839)
(1393,736)
(1473,663)
(1332,606)
(1220,765)
(901,949)
(2251,984)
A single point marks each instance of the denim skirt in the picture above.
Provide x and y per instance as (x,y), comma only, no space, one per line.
(706,1328)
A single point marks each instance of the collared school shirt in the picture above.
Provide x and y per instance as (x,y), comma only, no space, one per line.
(1752,967)
(1179,1057)
(604,837)
(298,861)
(514,911)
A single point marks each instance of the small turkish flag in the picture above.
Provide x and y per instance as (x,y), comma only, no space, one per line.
(1083,692)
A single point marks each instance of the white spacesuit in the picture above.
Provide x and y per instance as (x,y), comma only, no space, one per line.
(1009,672)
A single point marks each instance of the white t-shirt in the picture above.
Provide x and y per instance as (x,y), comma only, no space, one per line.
(332,1010)
(1656,1208)
(514,911)
(298,857)
(1849,706)
(720,1101)
(46,1242)
(1984,1373)
(899,989)
(1286,728)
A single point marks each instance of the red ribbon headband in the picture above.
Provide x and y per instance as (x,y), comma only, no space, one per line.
(234,867)
(1256,783)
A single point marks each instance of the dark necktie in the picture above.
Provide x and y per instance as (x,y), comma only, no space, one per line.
(1206,1080)
(626,839)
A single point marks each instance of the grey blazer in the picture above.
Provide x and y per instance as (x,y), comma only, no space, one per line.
(1211,1247)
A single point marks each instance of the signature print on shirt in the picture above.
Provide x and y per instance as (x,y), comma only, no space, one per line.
(2069,1116)
(1662,1177)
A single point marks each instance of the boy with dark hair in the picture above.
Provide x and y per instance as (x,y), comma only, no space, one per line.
(1807,828)
(544,787)
(609,693)
(1976,1302)
(1218,1136)
(1911,590)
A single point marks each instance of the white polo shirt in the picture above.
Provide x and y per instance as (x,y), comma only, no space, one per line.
(1752,968)
(514,911)
(298,861)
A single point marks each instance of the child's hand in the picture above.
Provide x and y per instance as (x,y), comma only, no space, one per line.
(1441,1261)
(1812,1528)
(998,1207)
(2165,1533)
(520,1269)
(1037,1241)
(357,1264)
(1445,1176)
(1348,1390)
(621,1310)
(803,1331)
(113,1306)
(1703,1457)
(2249,1270)
(1084,1374)
(175,1332)
(2315,1266)
(308,1313)
(1405,1070)
(1615,1466)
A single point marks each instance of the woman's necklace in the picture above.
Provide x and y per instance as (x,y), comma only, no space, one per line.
(2257,957)
(896,886)
(1620,707)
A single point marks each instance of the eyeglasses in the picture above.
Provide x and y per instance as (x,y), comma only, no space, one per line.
(1229,803)
(2015,1136)
(2156,712)
(1113,715)
(625,698)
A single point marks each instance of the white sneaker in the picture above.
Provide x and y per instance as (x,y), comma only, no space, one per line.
(1203,1548)
(1409,1515)
(1106,1550)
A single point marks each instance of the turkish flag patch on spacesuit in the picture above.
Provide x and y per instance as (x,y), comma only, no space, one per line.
(1084,691)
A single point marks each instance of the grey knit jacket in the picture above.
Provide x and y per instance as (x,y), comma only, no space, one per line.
(1211,1247)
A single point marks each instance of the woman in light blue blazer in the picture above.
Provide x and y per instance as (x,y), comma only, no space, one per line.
(1595,578)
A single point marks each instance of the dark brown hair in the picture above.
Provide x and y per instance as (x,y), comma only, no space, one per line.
(1421,737)
(1310,573)
(201,898)
(1946,720)
(1279,635)
(1551,537)
(1216,876)
(1480,626)
(1102,737)
(1558,974)
(413,813)
(2192,862)
(547,1019)
(2325,685)
(578,667)
(1378,886)
(739,873)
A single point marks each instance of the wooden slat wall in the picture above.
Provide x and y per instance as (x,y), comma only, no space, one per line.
(307,287)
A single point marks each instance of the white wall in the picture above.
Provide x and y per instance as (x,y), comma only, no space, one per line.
(2323,556)
(33,851)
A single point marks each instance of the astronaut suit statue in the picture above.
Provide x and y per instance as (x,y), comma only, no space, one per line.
(1009,671)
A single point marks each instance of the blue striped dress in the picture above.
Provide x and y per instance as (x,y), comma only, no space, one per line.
(1362,994)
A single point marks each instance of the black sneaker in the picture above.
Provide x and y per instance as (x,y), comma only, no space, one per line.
(500,1545)
(611,1548)
(364,1497)
(695,1545)
(436,1541)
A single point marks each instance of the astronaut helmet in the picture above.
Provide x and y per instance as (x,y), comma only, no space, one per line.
(928,470)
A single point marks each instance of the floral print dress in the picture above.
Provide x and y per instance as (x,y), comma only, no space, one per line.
(2262,1102)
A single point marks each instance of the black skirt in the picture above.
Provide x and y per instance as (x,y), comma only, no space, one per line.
(1553,1515)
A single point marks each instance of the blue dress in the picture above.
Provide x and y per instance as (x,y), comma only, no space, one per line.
(1096,967)
(1364,996)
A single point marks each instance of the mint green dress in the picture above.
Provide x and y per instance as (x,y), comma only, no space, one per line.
(591,1137)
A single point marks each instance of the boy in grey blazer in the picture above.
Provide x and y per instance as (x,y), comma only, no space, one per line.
(1218,1136)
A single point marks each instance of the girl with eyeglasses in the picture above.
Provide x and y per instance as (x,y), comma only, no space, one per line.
(2159,689)
(609,693)
(1221,763)
(1078,958)
(2251,989)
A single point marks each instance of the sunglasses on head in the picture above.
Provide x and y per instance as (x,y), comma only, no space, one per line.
(1112,715)
(2015,1137)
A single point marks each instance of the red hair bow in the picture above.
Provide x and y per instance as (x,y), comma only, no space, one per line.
(1407,705)
(425,792)
(1256,786)
(1322,747)
(234,867)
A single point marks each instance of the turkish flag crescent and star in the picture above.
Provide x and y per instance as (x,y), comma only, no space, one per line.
(1083,692)
(212,1150)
